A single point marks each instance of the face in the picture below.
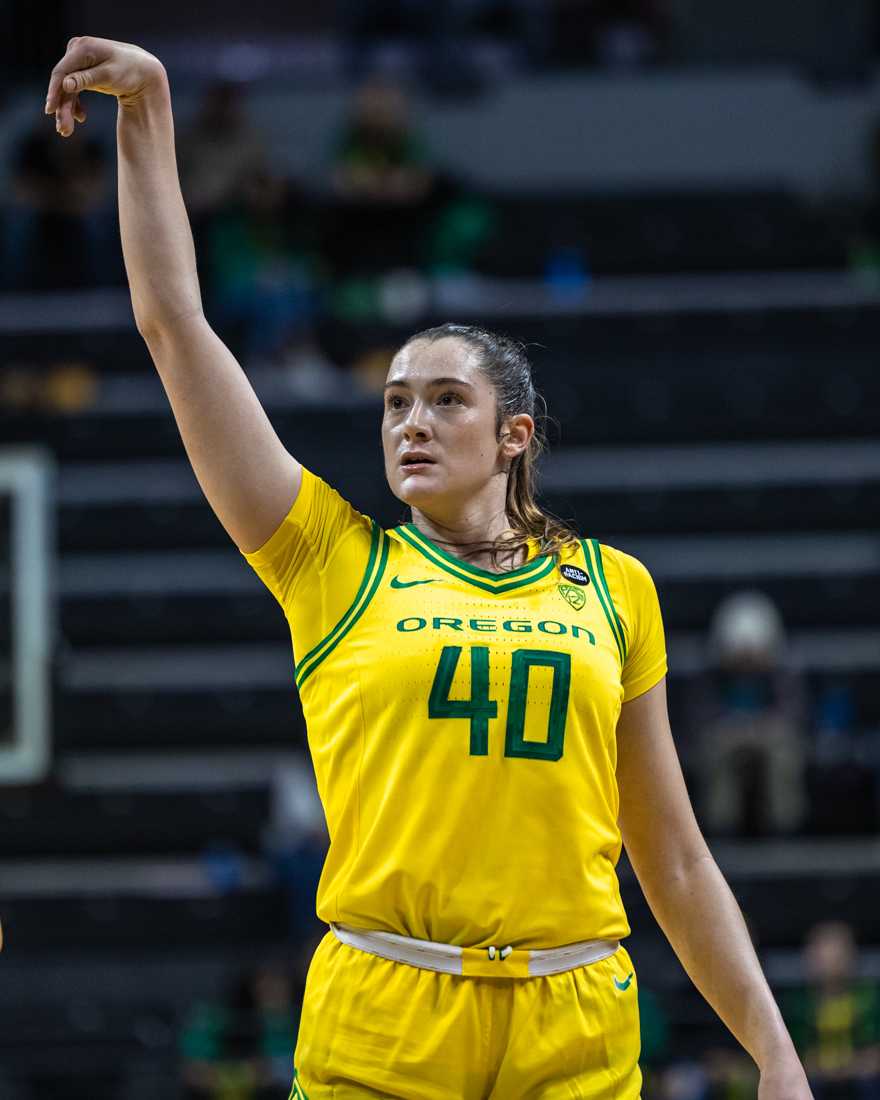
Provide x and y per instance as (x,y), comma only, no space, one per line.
(440,408)
(830,953)
(383,107)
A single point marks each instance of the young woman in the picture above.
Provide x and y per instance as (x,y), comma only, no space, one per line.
(485,698)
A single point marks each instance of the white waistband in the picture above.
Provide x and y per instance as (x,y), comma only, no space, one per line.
(485,961)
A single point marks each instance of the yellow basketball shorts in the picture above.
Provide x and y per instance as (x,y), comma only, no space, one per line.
(371,1027)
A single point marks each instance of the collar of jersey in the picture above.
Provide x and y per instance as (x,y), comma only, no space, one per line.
(498,583)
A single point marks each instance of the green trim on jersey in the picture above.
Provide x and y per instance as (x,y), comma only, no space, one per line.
(602,593)
(598,552)
(297,1092)
(459,563)
(471,574)
(379,547)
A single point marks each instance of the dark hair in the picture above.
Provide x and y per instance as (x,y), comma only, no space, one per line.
(505,364)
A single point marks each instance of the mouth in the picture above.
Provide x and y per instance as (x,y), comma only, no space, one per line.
(413,463)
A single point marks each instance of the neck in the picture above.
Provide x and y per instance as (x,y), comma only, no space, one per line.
(470,531)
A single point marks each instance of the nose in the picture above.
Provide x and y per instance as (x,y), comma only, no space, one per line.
(415,427)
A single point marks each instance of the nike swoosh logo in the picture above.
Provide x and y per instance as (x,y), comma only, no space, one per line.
(622,986)
(395,583)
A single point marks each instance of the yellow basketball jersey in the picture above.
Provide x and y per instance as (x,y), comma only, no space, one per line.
(462,725)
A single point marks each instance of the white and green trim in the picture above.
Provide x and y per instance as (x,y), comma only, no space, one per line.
(378,559)
(497,583)
(593,559)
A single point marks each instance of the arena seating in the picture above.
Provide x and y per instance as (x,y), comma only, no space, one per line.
(723,448)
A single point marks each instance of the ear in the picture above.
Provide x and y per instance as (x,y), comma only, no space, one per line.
(516,432)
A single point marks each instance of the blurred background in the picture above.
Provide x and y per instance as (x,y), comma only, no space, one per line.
(676,205)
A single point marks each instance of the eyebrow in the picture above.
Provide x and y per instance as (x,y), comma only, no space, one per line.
(433,382)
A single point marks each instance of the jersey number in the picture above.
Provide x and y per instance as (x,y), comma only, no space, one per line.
(480,708)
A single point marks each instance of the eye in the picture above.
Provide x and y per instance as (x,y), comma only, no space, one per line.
(454,398)
(394,401)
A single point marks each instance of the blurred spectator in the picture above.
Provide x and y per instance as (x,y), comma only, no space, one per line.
(379,157)
(396,211)
(383,183)
(748,712)
(241,1047)
(261,274)
(835,1018)
(250,227)
(59,228)
(219,153)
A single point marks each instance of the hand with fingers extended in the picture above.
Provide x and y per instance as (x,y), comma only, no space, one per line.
(99,65)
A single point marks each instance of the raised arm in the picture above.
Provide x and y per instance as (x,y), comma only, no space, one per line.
(689,897)
(244,470)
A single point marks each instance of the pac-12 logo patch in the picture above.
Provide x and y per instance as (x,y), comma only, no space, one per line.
(574,596)
(574,573)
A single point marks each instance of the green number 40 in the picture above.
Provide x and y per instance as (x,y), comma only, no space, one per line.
(480,708)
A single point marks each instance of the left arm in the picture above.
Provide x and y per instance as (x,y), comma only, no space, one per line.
(689,897)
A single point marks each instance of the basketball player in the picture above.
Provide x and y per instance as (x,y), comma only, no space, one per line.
(485,698)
